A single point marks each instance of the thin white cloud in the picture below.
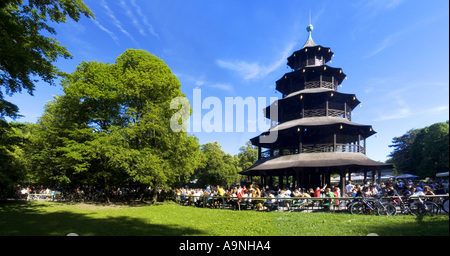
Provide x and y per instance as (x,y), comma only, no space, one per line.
(397,36)
(133,18)
(400,113)
(199,82)
(371,8)
(109,32)
(437,109)
(388,41)
(255,70)
(405,112)
(115,21)
(245,69)
(145,21)
(223,87)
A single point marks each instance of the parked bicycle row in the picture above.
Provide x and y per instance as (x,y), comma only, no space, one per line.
(387,205)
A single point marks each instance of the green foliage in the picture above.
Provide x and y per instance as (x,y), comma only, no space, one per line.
(402,150)
(112,128)
(435,150)
(218,168)
(11,157)
(423,152)
(247,156)
(25,52)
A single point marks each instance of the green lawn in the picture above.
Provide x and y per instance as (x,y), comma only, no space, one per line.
(170,219)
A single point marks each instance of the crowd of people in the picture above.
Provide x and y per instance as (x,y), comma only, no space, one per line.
(404,188)
(242,194)
(89,193)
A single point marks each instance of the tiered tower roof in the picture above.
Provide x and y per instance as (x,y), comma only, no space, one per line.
(313,120)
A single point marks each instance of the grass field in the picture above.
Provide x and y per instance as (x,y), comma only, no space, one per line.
(170,219)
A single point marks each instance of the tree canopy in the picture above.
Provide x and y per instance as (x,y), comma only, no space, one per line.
(26,54)
(112,127)
(217,168)
(423,152)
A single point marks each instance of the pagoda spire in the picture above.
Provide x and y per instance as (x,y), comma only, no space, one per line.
(310,41)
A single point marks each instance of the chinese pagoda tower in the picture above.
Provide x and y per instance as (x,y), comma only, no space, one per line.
(315,133)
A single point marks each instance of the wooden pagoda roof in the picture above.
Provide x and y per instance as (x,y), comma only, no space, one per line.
(299,74)
(318,121)
(310,48)
(319,93)
(313,160)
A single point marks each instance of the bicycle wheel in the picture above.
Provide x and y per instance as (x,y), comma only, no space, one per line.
(350,205)
(431,208)
(445,205)
(418,209)
(387,209)
(358,208)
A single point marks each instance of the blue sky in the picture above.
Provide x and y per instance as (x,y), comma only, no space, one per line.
(395,54)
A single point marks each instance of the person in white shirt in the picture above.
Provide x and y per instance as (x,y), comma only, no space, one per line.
(349,188)
(418,192)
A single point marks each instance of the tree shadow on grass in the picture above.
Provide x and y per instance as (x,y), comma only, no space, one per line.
(22,219)
(422,226)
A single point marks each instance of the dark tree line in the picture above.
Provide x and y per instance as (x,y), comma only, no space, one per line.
(423,152)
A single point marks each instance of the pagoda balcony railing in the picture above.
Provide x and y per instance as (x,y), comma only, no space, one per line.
(320,148)
(317,148)
(323,112)
(319,84)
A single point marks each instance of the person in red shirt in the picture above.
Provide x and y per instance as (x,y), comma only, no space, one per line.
(319,190)
(337,194)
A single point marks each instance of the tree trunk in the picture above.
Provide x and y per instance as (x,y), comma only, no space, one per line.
(154,195)
(107,192)
(142,190)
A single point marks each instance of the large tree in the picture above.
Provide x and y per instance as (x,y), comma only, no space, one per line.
(423,152)
(400,157)
(435,150)
(112,125)
(218,167)
(11,157)
(26,52)
(247,156)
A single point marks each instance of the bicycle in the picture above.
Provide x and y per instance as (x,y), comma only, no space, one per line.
(368,206)
(405,206)
(422,207)
(445,205)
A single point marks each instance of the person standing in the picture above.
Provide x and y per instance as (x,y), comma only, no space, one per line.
(349,188)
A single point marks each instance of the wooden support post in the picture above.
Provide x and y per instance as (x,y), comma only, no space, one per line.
(345,109)
(359,143)
(342,182)
(300,144)
(280,181)
(379,176)
(365,147)
(334,143)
